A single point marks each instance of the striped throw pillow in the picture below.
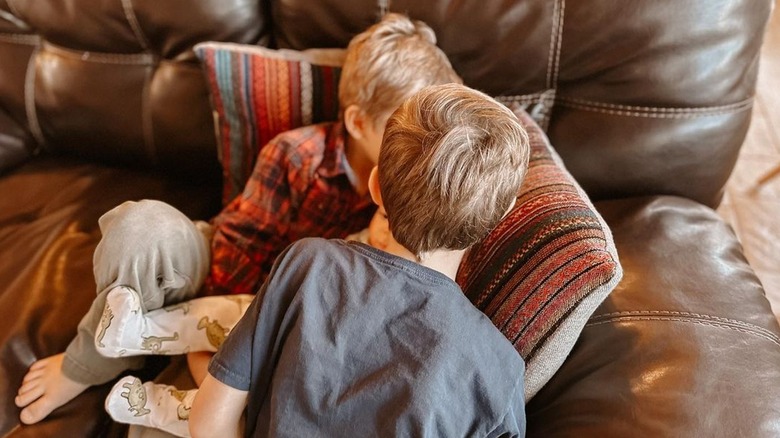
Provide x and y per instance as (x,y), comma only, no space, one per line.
(257,93)
(544,269)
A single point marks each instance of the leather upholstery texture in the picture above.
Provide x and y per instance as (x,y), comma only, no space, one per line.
(117,81)
(649,97)
(647,102)
(685,346)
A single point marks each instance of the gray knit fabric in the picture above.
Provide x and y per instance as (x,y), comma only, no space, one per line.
(148,246)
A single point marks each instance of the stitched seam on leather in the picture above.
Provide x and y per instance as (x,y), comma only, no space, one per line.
(146,117)
(670,312)
(20,38)
(29,99)
(519,98)
(384,7)
(684,314)
(772,339)
(559,44)
(552,56)
(13,9)
(132,19)
(652,108)
(15,429)
(101,58)
(147,124)
(656,112)
(693,315)
(669,315)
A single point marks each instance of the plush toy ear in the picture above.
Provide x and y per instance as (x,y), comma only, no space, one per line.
(373,187)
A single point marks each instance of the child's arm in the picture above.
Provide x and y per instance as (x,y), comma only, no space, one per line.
(198,363)
(217,410)
(252,230)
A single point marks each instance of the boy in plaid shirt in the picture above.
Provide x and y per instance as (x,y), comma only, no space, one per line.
(308,182)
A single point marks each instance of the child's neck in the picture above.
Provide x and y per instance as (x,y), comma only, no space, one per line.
(442,260)
(360,164)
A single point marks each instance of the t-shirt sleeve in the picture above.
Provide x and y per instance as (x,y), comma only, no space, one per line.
(513,423)
(245,359)
(232,365)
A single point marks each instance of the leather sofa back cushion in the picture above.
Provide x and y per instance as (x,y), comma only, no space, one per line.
(640,100)
(539,275)
(637,100)
(117,82)
(15,145)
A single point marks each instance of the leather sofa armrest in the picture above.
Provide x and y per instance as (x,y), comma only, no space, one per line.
(686,344)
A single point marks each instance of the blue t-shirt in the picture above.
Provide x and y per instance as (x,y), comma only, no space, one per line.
(347,340)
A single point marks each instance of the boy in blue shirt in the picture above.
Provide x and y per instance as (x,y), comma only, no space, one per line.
(347,340)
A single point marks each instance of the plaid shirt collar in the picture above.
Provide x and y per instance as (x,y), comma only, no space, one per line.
(334,161)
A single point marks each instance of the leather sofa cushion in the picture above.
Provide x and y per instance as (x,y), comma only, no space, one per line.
(15,145)
(48,233)
(685,344)
(117,82)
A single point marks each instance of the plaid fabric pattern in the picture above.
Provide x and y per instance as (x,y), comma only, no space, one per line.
(258,93)
(543,258)
(299,188)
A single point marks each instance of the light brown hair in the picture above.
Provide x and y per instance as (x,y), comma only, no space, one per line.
(450,166)
(388,62)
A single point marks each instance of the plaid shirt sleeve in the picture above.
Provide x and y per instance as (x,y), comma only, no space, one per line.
(251,231)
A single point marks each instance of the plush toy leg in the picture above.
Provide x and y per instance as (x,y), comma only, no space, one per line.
(152,405)
(196,325)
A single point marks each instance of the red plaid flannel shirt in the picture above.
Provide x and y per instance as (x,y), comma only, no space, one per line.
(298,188)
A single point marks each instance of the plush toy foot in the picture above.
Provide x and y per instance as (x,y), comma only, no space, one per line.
(152,405)
(197,325)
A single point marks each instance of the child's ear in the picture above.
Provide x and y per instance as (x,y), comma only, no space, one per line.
(354,121)
(373,187)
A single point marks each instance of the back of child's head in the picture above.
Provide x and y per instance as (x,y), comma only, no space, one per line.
(388,62)
(450,167)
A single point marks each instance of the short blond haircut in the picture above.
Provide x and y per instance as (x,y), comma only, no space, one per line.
(388,62)
(450,167)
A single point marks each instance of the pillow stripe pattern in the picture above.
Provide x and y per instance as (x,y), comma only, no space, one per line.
(532,272)
(258,93)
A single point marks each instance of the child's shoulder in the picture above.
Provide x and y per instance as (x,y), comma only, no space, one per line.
(314,248)
(307,245)
(309,256)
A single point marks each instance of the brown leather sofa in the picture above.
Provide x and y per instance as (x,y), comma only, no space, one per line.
(646,101)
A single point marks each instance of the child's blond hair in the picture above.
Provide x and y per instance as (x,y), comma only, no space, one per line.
(450,166)
(388,62)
